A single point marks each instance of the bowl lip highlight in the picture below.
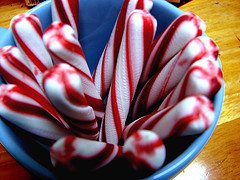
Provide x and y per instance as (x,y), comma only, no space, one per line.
(16,147)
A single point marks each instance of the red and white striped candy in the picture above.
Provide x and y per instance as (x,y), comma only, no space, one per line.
(104,71)
(63,86)
(128,70)
(192,115)
(174,38)
(64,47)
(203,77)
(78,154)
(27,32)
(159,85)
(145,150)
(24,112)
(12,56)
(14,70)
(66,11)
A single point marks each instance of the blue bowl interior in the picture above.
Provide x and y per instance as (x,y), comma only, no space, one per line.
(96,21)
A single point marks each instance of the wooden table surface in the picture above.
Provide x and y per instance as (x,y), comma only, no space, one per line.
(220,158)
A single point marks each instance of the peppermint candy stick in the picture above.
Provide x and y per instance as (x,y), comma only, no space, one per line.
(88,155)
(203,77)
(14,70)
(27,32)
(174,38)
(104,71)
(145,151)
(64,47)
(128,70)
(63,86)
(192,115)
(157,88)
(24,112)
(66,12)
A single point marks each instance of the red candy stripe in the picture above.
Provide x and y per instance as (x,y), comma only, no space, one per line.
(27,32)
(157,88)
(67,12)
(145,151)
(203,77)
(14,70)
(103,74)
(88,154)
(24,112)
(128,70)
(62,44)
(190,116)
(173,39)
(63,86)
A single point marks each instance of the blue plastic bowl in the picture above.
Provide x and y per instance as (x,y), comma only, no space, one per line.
(96,21)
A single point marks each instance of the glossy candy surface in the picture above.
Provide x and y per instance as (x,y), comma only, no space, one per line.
(63,86)
(64,47)
(128,71)
(159,85)
(104,71)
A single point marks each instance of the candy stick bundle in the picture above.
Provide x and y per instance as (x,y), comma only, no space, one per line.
(154,88)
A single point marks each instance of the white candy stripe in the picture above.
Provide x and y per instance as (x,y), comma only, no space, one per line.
(203,77)
(67,12)
(15,71)
(104,71)
(62,44)
(190,116)
(157,88)
(173,39)
(27,32)
(63,86)
(90,155)
(128,70)
(27,114)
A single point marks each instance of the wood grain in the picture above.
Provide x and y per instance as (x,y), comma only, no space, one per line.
(220,157)
(10,169)
(223,26)
(10,8)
